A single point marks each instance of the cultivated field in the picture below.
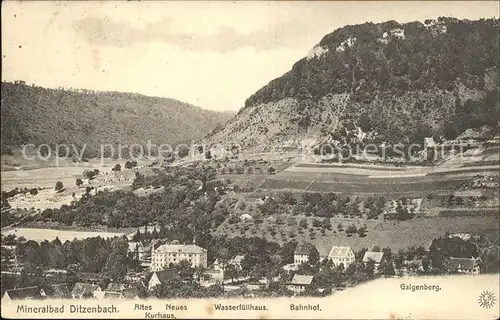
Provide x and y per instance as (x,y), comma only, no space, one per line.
(18,172)
(365,180)
(372,179)
(44,175)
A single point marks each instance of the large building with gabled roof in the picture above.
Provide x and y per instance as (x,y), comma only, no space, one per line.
(27,293)
(343,255)
(168,254)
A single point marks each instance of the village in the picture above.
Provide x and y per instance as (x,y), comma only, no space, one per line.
(307,274)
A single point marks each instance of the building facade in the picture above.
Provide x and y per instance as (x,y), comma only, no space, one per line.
(168,254)
(302,253)
(299,283)
(343,255)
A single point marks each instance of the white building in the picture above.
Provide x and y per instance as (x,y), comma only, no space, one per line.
(157,278)
(237,261)
(302,253)
(340,255)
(166,254)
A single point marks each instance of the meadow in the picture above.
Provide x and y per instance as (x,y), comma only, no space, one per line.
(40,235)
(416,232)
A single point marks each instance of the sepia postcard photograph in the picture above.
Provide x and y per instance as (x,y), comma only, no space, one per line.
(250,160)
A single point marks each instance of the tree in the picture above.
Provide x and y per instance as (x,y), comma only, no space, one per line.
(137,236)
(33,191)
(286,252)
(88,189)
(59,186)
(303,223)
(130,164)
(313,255)
(185,270)
(362,232)
(271,170)
(231,272)
(79,182)
(364,122)
(369,268)
(208,155)
(326,223)
(386,268)
(351,229)
(316,223)
(117,167)
(182,150)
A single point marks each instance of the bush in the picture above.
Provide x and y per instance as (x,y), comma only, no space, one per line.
(351,229)
(130,164)
(59,186)
(182,150)
(362,232)
(316,223)
(303,223)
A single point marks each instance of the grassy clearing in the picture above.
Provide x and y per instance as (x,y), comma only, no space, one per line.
(63,235)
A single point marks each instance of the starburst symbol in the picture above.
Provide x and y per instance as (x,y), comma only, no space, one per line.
(487,299)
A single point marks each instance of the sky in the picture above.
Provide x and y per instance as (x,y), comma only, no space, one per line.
(210,54)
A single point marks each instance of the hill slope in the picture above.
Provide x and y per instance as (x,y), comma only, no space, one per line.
(32,114)
(378,82)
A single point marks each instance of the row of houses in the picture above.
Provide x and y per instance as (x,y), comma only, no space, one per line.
(164,256)
(79,291)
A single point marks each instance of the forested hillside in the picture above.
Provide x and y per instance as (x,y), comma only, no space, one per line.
(32,114)
(391,80)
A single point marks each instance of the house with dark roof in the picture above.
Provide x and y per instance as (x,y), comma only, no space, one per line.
(130,293)
(299,283)
(84,290)
(27,293)
(464,265)
(160,277)
(58,291)
(302,253)
(212,276)
(109,295)
(115,287)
